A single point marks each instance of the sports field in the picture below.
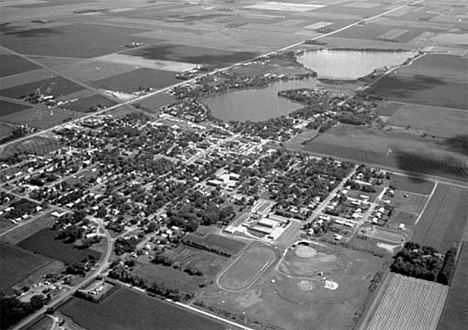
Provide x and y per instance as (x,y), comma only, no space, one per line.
(322,285)
(245,270)
(128,309)
(409,303)
(444,219)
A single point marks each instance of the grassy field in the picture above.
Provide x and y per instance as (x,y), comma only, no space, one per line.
(436,121)
(35,145)
(23,232)
(171,277)
(244,271)
(408,202)
(44,242)
(401,217)
(16,264)
(412,185)
(294,296)
(127,309)
(84,104)
(406,152)
(455,313)
(445,218)
(409,303)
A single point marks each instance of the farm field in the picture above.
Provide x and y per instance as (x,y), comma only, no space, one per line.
(441,122)
(44,242)
(131,81)
(391,149)
(409,303)
(23,232)
(74,40)
(243,272)
(434,80)
(41,117)
(444,219)
(12,64)
(8,108)
(455,313)
(16,264)
(57,86)
(292,295)
(191,54)
(127,309)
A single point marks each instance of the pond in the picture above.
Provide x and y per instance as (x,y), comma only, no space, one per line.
(257,104)
(350,65)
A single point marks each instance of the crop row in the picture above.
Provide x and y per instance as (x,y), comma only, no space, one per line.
(409,304)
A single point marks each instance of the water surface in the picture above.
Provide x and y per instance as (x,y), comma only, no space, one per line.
(257,104)
(350,65)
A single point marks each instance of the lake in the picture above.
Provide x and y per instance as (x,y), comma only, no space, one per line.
(350,65)
(257,104)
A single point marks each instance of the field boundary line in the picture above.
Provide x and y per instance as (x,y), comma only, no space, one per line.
(199,311)
(427,203)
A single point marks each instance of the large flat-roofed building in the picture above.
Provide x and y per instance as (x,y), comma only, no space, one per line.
(262,229)
(268,223)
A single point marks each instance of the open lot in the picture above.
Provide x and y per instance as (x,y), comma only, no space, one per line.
(401,217)
(408,202)
(44,242)
(170,277)
(410,184)
(294,296)
(12,64)
(406,152)
(16,264)
(444,219)
(127,309)
(455,313)
(409,303)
